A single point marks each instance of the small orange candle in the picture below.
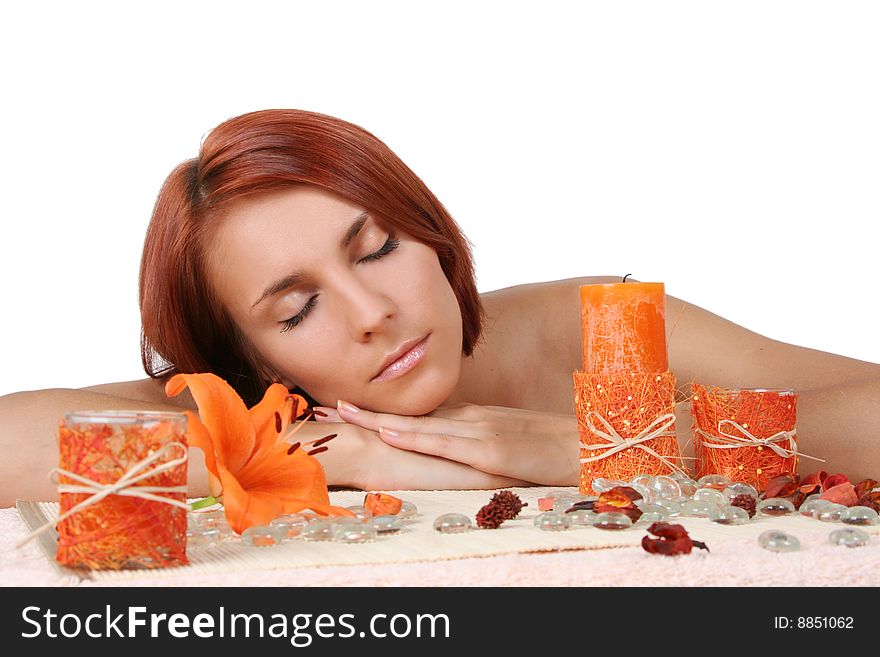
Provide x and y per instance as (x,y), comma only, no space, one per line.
(623,328)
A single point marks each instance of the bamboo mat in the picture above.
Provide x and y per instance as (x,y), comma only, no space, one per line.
(419,541)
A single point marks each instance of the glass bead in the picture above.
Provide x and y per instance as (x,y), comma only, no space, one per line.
(452,523)
(361,513)
(318,530)
(859,515)
(354,533)
(562,503)
(729,515)
(775,506)
(202,536)
(716,481)
(641,490)
(407,511)
(663,488)
(650,507)
(711,495)
(601,485)
(778,541)
(813,496)
(849,537)
(385,524)
(680,475)
(553,521)
(612,520)
(688,487)
(810,508)
(341,520)
(561,492)
(740,488)
(262,536)
(290,525)
(698,508)
(830,513)
(651,517)
(641,480)
(672,508)
(581,518)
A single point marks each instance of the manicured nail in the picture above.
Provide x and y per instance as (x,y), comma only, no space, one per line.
(389,432)
(345,406)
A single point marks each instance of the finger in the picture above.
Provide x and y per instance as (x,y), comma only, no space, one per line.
(420,423)
(326,414)
(452,448)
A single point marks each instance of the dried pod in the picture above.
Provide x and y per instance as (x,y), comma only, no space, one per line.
(671,540)
(783,485)
(843,493)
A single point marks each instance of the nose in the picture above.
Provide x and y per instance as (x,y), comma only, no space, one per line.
(367,309)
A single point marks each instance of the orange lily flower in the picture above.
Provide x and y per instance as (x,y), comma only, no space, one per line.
(259,475)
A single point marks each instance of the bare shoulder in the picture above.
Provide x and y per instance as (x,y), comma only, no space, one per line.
(149,390)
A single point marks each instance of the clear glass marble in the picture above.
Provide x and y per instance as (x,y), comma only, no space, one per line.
(202,536)
(452,523)
(361,513)
(778,541)
(563,502)
(651,517)
(849,537)
(698,508)
(642,480)
(716,497)
(810,508)
(739,488)
(775,506)
(386,524)
(408,510)
(650,507)
(716,481)
(601,485)
(672,507)
(581,518)
(663,488)
(290,525)
(729,515)
(612,520)
(262,536)
(641,490)
(354,533)
(859,515)
(553,521)
(319,530)
(830,513)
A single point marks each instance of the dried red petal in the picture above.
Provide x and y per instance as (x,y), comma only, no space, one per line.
(672,540)
(619,496)
(631,511)
(546,503)
(866,486)
(781,486)
(871,500)
(844,493)
(835,480)
(814,479)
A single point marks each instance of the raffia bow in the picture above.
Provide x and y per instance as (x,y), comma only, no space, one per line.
(748,439)
(125,485)
(615,442)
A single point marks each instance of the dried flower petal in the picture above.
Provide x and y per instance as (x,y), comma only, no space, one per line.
(671,540)
(382,504)
(782,486)
(834,480)
(843,493)
(866,486)
(620,499)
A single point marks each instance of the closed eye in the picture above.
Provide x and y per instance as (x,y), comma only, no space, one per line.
(390,245)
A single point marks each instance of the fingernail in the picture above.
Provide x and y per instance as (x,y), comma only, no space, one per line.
(345,406)
(388,432)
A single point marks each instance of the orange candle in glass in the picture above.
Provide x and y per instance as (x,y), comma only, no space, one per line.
(623,327)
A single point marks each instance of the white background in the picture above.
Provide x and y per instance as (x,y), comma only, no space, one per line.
(731,150)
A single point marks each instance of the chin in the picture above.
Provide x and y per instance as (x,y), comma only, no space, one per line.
(421,396)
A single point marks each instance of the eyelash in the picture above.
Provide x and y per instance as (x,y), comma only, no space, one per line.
(390,245)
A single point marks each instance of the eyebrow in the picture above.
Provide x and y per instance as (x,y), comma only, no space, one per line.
(298,276)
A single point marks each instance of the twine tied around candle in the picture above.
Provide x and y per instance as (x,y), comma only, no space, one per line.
(748,439)
(125,485)
(615,442)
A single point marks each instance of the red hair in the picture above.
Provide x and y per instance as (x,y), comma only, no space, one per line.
(184,327)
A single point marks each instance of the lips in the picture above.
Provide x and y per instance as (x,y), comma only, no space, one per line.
(404,349)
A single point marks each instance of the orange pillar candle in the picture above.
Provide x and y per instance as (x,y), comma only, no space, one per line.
(623,328)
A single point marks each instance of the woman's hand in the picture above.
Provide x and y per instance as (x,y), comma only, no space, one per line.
(357,458)
(533,446)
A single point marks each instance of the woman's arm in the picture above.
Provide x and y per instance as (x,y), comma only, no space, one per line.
(28,439)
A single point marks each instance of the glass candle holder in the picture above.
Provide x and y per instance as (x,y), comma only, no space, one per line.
(142,521)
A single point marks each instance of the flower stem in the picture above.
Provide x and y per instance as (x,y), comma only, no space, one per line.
(202,503)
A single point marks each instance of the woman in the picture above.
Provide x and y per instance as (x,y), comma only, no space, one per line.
(298,248)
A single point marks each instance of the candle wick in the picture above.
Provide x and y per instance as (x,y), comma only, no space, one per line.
(625,277)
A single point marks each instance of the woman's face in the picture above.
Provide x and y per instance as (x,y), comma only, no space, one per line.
(327,293)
